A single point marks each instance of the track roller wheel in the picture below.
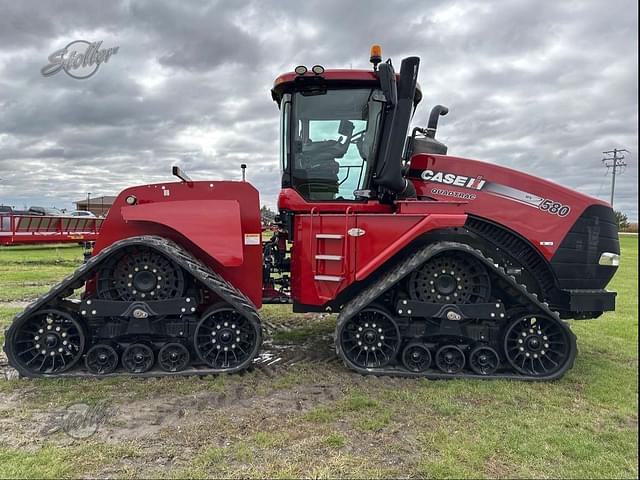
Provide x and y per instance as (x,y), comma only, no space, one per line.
(227,340)
(369,339)
(450,359)
(173,357)
(101,359)
(48,341)
(539,346)
(484,360)
(137,358)
(416,357)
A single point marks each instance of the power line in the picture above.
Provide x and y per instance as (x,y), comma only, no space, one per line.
(614,163)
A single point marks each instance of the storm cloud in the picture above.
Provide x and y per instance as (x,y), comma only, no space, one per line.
(543,87)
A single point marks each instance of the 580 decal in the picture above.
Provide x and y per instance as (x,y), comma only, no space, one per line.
(554,208)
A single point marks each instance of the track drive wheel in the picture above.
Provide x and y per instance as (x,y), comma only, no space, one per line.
(539,346)
(226,340)
(450,277)
(369,339)
(46,342)
(140,273)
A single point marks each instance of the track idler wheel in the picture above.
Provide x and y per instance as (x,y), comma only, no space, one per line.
(539,346)
(450,359)
(484,360)
(369,339)
(137,358)
(173,357)
(101,359)
(49,341)
(416,357)
(226,340)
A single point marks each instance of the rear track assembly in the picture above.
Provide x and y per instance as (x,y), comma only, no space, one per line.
(447,311)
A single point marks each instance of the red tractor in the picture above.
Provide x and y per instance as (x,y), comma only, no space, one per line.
(437,266)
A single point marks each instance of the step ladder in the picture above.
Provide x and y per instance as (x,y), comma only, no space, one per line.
(332,242)
(330,253)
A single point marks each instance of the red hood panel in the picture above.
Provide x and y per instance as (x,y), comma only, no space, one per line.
(540,210)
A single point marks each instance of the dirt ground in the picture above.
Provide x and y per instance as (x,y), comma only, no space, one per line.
(287,382)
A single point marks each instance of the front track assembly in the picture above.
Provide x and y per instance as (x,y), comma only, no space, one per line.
(156,310)
(447,311)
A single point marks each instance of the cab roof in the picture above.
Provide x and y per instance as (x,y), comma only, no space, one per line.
(336,78)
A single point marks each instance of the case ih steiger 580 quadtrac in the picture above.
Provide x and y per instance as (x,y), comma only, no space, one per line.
(438,266)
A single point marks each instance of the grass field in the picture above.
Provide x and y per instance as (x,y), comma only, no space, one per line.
(316,419)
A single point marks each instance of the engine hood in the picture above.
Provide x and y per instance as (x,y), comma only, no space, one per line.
(540,210)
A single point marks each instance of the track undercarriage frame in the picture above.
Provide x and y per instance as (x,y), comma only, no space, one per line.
(445,311)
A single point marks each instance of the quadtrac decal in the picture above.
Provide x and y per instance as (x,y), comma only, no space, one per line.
(479,183)
(453,193)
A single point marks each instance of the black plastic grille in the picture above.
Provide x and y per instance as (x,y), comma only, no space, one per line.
(575,263)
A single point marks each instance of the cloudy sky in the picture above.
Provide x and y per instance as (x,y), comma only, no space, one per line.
(541,86)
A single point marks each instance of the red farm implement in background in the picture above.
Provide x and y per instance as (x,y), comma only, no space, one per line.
(29,229)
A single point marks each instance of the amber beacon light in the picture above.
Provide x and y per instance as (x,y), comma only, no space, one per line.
(376,55)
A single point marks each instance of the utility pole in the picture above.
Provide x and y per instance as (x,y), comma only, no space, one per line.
(614,163)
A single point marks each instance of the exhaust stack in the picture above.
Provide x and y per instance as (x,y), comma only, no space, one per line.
(389,172)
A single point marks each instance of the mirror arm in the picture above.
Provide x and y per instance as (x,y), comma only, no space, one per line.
(178,172)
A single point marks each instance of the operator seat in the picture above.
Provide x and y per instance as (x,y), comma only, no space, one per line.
(318,177)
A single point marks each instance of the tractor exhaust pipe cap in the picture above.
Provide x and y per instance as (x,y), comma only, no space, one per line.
(432,126)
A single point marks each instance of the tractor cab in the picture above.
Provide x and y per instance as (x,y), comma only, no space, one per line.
(343,132)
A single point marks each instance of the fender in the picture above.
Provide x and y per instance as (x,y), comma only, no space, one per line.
(196,220)
(216,221)
(428,223)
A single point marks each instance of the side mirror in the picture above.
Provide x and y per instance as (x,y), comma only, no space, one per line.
(178,172)
(388,83)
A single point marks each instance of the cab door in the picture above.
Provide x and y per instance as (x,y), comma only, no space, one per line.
(323,260)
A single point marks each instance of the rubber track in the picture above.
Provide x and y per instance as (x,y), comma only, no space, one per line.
(192,265)
(405,267)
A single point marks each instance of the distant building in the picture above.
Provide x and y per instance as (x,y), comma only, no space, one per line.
(98,205)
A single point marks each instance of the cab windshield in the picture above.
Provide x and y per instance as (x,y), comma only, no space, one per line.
(334,140)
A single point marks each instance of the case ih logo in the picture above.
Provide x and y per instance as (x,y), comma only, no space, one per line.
(80,59)
(475,183)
